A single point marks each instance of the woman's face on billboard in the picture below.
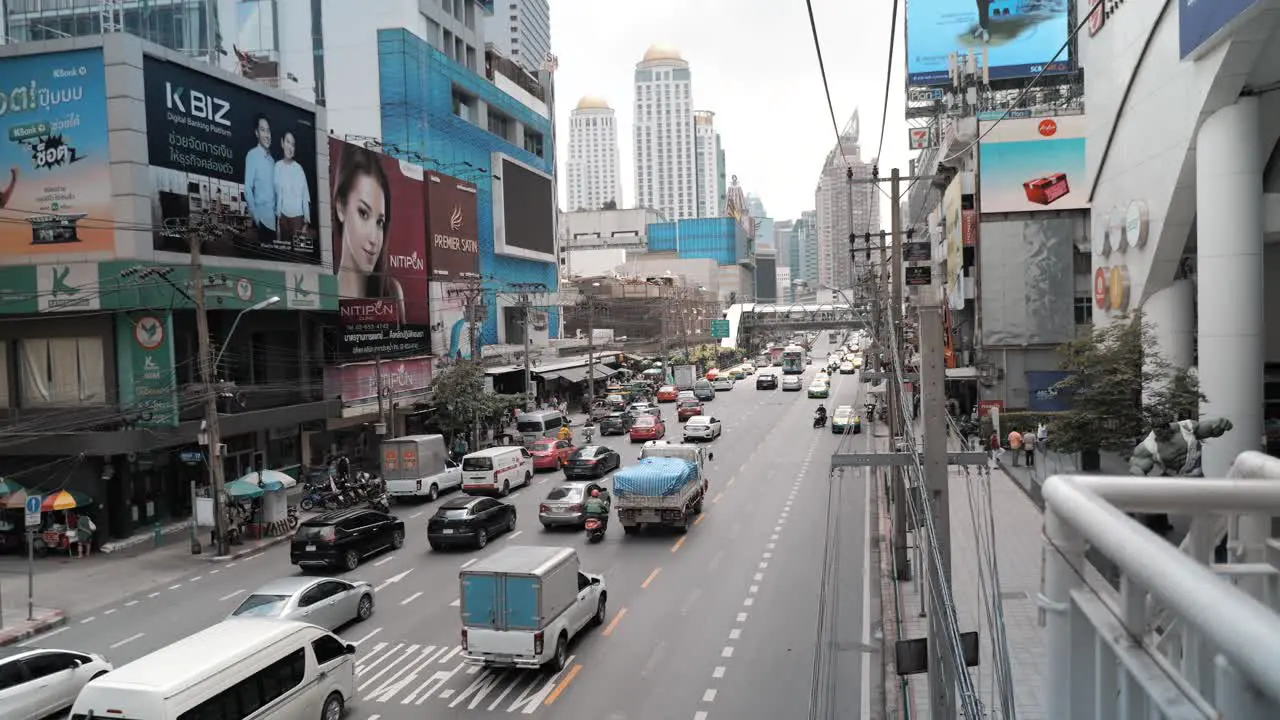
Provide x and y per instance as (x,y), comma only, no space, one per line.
(363,217)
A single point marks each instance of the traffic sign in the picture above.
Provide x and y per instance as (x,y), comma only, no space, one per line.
(719,329)
(33,510)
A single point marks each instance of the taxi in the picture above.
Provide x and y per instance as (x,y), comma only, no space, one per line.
(737,373)
(843,420)
(819,389)
(749,368)
(667,393)
(551,454)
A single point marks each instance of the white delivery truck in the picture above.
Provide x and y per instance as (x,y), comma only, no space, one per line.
(683,376)
(418,466)
(523,605)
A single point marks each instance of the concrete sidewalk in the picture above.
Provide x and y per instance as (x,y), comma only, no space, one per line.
(1018,526)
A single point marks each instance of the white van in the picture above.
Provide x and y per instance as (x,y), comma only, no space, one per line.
(418,466)
(538,424)
(250,668)
(496,470)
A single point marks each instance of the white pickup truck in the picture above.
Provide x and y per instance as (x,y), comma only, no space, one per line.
(523,605)
(418,466)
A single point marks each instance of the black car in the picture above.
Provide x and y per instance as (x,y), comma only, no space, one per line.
(592,461)
(766,381)
(703,391)
(618,423)
(343,538)
(469,520)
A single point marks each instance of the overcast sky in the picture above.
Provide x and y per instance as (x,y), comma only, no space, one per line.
(753,64)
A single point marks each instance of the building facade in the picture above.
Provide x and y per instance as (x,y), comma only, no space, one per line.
(843,208)
(666,173)
(724,240)
(706,164)
(521,30)
(598,242)
(808,250)
(592,169)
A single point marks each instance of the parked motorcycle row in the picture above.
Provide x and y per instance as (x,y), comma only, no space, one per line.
(341,492)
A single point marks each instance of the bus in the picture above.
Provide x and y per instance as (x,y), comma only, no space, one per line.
(794,360)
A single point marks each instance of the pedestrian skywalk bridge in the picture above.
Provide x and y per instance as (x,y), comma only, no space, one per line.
(392,677)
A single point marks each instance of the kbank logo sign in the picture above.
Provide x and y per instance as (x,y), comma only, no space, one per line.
(304,290)
(68,287)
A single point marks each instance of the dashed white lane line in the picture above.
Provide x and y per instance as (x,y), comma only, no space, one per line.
(719,672)
(39,639)
(700,715)
(384,560)
(748,602)
(214,571)
(735,633)
(154,594)
(417,514)
(709,695)
(742,617)
(456,603)
(753,589)
(411,598)
(727,652)
(758,577)
(366,637)
(131,603)
(88,620)
(515,535)
(196,578)
(127,640)
(108,612)
(230,595)
(763,565)
(468,563)
(175,587)
(767,556)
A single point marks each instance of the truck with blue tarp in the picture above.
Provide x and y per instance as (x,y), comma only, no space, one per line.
(667,487)
(522,606)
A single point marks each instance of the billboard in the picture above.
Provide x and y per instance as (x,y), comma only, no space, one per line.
(450,328)
(217,147)
(145,367)
(1043,393)
(1029,165)
(55,178)
(1020,37)
(1202,22)
(524,211)
(953,221)
(379,230)
(453,226)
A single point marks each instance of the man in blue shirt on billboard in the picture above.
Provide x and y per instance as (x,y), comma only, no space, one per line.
(259,181)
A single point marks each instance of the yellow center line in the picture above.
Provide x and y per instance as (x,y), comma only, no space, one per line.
(679,544)
(555,694)
(700,519)
(608,629)
(649,580)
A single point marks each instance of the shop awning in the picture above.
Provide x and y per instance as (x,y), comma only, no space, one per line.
(578,374)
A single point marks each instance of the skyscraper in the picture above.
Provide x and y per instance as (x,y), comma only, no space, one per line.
(843,207)
(521,30)
(808,250)
(592,171)
(706,146)
(666,176)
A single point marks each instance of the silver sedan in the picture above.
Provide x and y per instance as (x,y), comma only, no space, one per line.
(327,602)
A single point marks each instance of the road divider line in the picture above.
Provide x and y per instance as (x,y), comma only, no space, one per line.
(366,637)
(468,563)
(131,603)
(196,578)
(384,561)
(457,602)
(718,672)
(411,598)
(700,519)
(649,580)
(417,514)
(230,595)
(108,612)
(175,587)
(89,619)
(154,594)
(126,641)
(613,624)
(679,544)
(43,636)
(709,695)
(515,534)
(568,680)
(716,499)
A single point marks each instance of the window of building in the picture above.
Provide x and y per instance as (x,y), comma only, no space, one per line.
(464,105)
(533,142)
(499,124)
(1084,310)
(62,372)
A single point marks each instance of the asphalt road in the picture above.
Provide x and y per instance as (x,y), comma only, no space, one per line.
(752,614)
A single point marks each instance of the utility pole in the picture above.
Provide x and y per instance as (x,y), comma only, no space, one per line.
(525,303)
(471,295)
(381,427)
(212,428)
(897,418)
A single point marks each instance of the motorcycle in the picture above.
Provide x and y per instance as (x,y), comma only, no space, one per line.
(381,504)
(595,530)
(819,421)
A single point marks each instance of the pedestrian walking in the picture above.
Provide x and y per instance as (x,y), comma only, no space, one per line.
(85,530)
(1029,446)
(1015,445)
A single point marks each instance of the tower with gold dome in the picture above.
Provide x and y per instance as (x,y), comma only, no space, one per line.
(592,169)
(663,134)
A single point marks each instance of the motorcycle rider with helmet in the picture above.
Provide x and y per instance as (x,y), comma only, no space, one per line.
(596,508)
(820,414)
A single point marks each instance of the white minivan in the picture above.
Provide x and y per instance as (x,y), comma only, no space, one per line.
(537,424)
(496,470)
(249,668)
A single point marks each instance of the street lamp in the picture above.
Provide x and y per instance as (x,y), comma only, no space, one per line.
(217,361)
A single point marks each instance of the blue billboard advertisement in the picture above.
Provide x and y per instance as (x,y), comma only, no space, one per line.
(1043,393)
(55,171)
(1199,21)
(1021,37)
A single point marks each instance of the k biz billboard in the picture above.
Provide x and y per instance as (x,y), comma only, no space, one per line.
(217,147)
(55,178)
(1020,37)
(453,226)
(379,230)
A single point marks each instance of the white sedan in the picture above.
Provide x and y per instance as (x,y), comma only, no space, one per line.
(36,683)
(702,427)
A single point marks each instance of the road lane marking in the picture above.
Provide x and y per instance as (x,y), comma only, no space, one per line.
(127,640)
(727,652)
(230,595)
(457,602)
(568,679)
(749,602)
(108,612)
(214,571)
(252,557)
(608,630)
(384,560)
(411,598)
(515,534)
(417,514)
(468,563)
(764,565)
(716,499)
(154,594)
(718,672)
(753,589)
(773,537)
(679,543)
(88,620)
(366,637)
(709,695)
(196,578)
(731,482)
(131,603)
(758,577)
(767,556)
(41,637)
(175,587)
(742,617)
(231,564)
(700,519)
(408,653)
(700,715)
(649,580)
(735,633)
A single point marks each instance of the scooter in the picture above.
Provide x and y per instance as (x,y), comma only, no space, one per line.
(381,504)
(595,530)
(819,421)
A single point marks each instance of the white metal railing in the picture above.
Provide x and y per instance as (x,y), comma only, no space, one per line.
(1183,637)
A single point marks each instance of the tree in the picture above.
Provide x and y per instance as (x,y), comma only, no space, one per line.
(460,399)
(1120,387)
(609,205)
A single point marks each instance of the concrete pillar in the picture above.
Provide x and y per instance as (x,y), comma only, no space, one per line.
(1229,227)
(1172,314)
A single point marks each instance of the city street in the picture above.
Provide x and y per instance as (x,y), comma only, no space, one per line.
(720,623)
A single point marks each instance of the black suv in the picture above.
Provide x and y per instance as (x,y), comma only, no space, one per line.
(618,423)
(766,381)
(343,538)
